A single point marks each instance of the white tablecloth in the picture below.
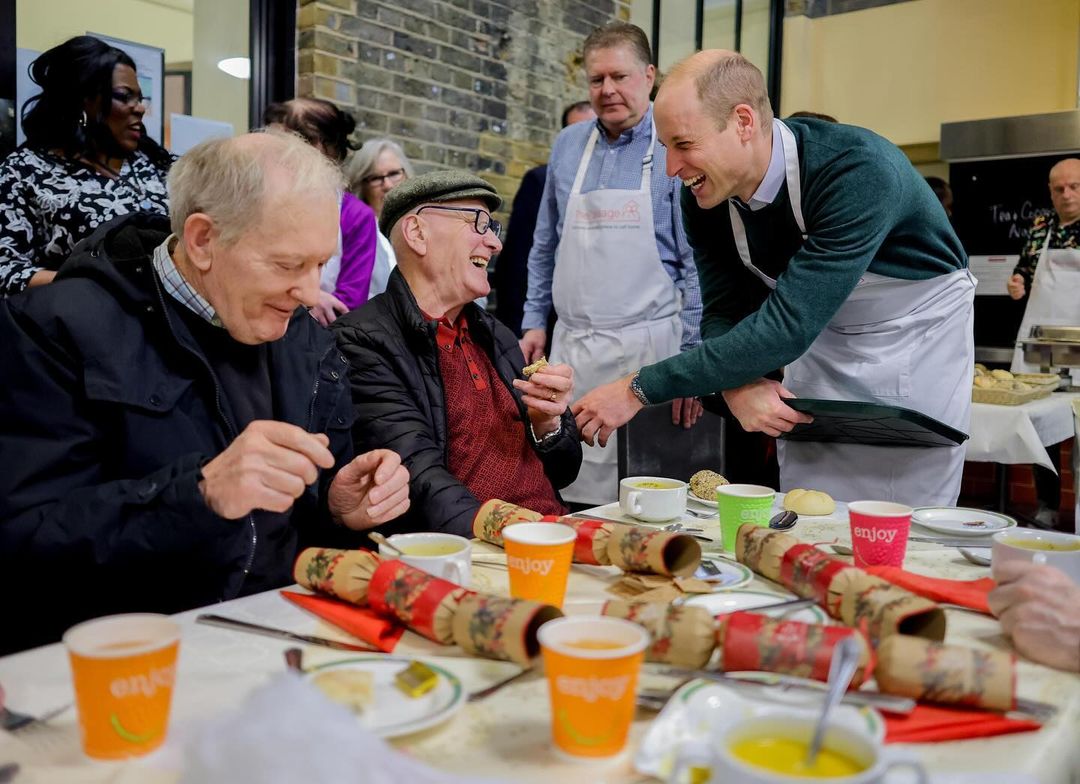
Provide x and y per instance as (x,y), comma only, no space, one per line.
(506,735)
(1020,434)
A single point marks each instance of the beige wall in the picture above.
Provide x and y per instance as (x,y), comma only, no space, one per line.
(42,24)
(904,69)
(221,30)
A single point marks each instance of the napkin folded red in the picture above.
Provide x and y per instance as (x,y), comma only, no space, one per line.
(967,593)
(934,723)
(360,622)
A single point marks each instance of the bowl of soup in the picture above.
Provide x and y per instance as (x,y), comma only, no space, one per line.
(1054,548)
(773,750)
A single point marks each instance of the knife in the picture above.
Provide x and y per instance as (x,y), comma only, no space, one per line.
(886,703)
(591,516)
(949,542)
(254,628)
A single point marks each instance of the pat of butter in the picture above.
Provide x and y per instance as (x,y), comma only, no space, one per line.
(416,680)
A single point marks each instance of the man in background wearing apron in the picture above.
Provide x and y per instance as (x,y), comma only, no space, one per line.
(1049,266)
(609,251)
(822,251)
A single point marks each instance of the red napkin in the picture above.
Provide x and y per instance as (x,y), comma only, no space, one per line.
(358,621)
(967,593)
(933,723)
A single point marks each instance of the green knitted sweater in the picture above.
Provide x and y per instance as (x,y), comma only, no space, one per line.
(865,209)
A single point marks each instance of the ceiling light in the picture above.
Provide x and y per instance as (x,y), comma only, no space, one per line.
(240,67)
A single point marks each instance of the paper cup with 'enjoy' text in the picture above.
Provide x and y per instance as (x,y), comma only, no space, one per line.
(879,532)
(538,557)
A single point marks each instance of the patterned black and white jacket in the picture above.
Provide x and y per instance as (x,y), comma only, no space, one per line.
(48,203)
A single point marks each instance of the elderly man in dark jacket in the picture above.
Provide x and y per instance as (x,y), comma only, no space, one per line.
(173,422)
(440,381)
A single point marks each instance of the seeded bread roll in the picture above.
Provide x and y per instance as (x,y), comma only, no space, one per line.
(703,484)
(528,370)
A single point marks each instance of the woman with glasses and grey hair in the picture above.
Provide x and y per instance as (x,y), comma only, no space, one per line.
(86,160)
(373,170)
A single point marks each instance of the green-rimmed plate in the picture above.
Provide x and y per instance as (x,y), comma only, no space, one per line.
(392,712)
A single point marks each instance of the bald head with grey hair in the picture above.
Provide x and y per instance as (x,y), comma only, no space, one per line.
(237,181)
(723,80)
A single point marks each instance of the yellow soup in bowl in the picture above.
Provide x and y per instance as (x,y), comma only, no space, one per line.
(654,485)
(430,549)
(1040,544)
(788,757)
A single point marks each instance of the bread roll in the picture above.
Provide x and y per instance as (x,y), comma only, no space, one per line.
(809,502)
(1003,375)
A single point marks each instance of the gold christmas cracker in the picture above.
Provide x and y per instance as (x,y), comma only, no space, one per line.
(345,574)
(682,635)
(762,549)
(881,609)
(637,549)
(495,515)
(950,674)
(497,627)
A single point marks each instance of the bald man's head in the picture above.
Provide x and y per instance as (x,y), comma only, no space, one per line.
(1065,190)
(722,80)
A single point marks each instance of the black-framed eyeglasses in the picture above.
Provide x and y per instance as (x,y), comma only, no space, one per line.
(377,179)
(482,220)
(128,98)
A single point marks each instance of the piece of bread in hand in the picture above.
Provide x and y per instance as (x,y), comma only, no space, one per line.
(528,370)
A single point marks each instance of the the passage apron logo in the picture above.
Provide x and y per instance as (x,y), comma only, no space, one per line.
(625,217)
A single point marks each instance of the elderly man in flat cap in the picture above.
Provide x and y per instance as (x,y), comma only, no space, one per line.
(440,381)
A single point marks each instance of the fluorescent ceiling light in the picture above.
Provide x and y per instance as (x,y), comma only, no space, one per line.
(240,67)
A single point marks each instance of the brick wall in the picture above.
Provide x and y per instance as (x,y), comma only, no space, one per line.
(471,84)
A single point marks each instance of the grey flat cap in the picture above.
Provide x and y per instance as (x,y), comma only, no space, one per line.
(434,188)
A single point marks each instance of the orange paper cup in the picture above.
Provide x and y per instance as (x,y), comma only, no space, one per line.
(123,667)
(538,558)
(592,666)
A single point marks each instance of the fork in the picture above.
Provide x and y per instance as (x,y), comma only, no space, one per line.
(13,721)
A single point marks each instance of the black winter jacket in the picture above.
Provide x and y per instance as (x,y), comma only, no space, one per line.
(400,405)
(108,410)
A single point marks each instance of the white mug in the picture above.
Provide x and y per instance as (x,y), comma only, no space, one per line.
(454,565)
(724,768)
(1004,549)
(653,499)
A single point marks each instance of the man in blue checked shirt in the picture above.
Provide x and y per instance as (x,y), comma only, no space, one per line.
(610,252)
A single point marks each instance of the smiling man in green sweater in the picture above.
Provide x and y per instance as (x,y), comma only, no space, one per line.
(820,250)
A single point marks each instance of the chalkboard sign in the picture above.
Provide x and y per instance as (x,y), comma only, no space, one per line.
(994,202)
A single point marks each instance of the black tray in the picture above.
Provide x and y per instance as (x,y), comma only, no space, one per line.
(846,422)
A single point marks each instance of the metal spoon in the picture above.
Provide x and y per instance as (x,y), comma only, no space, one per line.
(845,659)
(975,558)
(783,521)
(378,538)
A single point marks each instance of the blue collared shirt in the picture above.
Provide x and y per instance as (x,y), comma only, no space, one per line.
(614,164)
(775,175)
(177,287)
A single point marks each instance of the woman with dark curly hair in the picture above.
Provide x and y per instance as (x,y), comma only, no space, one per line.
(86,160)
(346,277)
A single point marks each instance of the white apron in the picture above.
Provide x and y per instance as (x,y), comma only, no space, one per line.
(1053,299)
(618,309)
(901,342)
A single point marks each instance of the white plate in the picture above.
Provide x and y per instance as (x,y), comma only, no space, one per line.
(950,520)
(701,710)
(392,712)
(733,601)
(732,574)
(703,501)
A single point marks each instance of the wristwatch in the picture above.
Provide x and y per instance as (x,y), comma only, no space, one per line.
(635,387)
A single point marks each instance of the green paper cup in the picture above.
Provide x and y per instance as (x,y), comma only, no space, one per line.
(741,504)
